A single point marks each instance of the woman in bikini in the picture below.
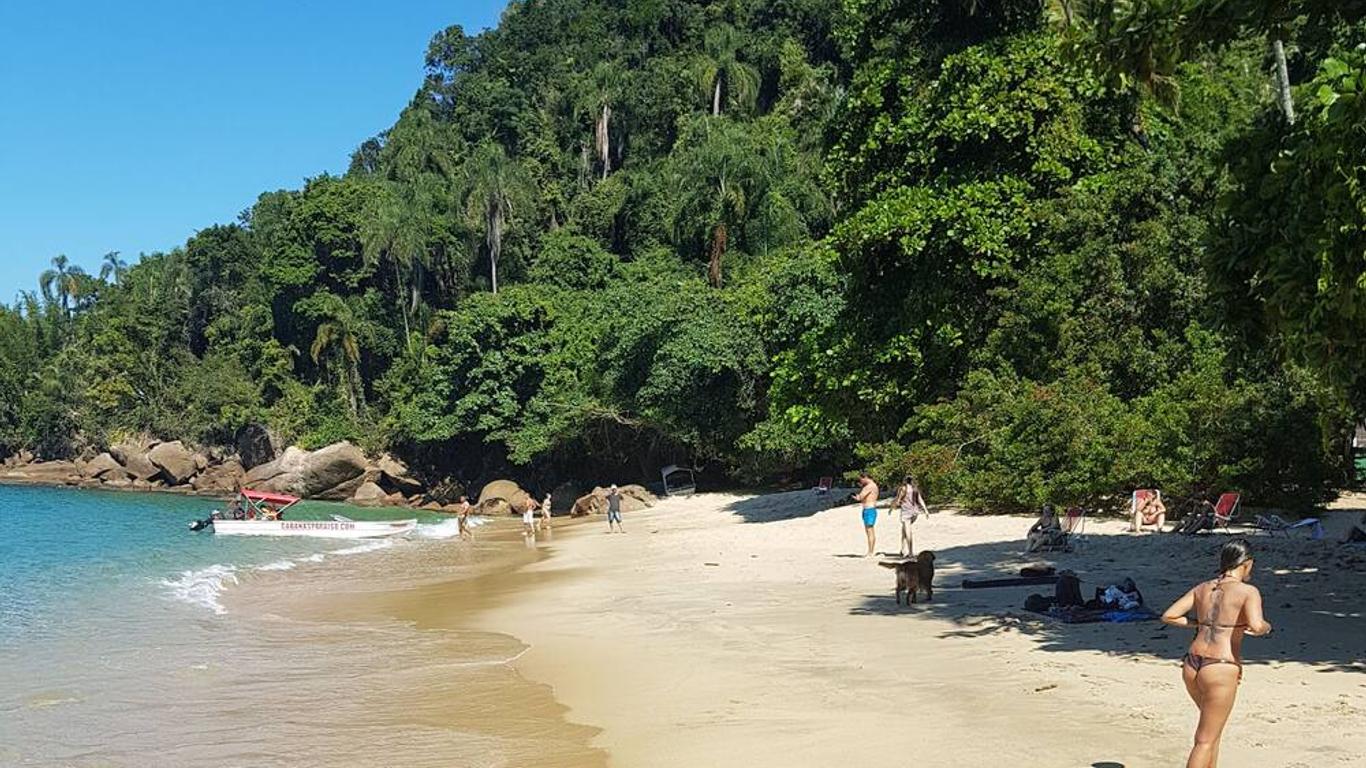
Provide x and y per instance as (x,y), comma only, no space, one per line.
(1226,608)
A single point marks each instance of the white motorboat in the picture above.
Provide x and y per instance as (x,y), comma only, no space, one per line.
(326,529)
(256,513)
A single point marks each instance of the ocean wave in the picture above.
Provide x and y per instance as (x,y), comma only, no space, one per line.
(203,586)
(445,529)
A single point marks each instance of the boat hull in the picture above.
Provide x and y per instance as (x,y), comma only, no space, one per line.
(321,529)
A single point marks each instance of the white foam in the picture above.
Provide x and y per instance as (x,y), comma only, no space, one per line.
(203,586)
(278,565)
(446,529)
(369,546)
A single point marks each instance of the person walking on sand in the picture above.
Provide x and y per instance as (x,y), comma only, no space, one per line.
(614,509)
(529,517)
(545,512)
(1226,608)
(462,517)
(911,504)
(867,499)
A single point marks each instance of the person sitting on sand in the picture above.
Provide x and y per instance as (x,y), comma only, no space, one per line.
(1226,608)
(911,503)
(867,499)
(1150,512)
(1046,532)
(614,509)
(462,517)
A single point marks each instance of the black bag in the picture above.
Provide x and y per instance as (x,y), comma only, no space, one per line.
(1069,590)
(1038,603)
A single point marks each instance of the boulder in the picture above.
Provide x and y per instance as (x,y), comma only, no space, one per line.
(396,476)
(133,457)
(47,473)
(370,495)
(493,507)
(335,472)
(176,462)
(219,479)
(255,446)
(634,498)
(103,467)
(506,490)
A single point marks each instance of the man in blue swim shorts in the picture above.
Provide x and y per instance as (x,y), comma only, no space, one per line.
(867,498)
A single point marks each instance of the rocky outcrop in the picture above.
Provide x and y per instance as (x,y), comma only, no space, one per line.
(224,478)
(176,463)
(369,494)
(133,457)
(255,446)
(634,498)
(334,472)
(396,477)
(103,467)
(513,498)
(45,473)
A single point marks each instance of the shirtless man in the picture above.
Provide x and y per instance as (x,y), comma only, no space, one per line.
(462,515)
(867,499)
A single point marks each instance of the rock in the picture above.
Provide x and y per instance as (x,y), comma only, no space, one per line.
(255,446)
(103,467)
(121,481)
(494,507)
(335,472)
(25,456)
(396,476)
(634,498)
(370,495)
(506,490)
(219,479)
(133,457)
(431,506)
(176,462)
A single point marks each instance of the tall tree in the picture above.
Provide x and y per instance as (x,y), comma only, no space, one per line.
(113,267)
(62,282)
(598,92)
(338,340)
(722,76)
(493,186)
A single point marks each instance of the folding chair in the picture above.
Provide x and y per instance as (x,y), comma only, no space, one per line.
(1224,509)
(1274,524)
(824,486)
(1139,498)
(1074,525)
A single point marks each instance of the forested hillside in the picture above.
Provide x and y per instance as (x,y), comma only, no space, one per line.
(1033,251)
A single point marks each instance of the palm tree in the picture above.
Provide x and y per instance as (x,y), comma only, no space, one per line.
(494,183)
(339,336)
(113,267)
(597,93)
(720,73)
(713,173)
(61,282)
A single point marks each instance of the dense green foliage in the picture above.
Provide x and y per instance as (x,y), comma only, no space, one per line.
(771,237)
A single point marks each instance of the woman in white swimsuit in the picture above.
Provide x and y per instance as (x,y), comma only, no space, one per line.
(911,503)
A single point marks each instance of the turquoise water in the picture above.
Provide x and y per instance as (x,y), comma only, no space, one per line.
(62,549)
(116,647)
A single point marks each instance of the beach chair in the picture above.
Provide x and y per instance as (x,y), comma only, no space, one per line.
(1274,524)
(824,486)
(1224,510)
(1074,526)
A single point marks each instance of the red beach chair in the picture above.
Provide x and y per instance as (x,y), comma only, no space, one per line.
(1225,508)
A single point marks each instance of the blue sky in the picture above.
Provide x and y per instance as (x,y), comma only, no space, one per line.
(129,125)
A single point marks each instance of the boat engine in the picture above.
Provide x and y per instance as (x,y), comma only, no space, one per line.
(200,525)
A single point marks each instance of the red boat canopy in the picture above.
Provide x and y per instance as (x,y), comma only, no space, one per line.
(269,498)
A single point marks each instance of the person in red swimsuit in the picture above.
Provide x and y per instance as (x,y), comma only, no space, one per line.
(1226,608)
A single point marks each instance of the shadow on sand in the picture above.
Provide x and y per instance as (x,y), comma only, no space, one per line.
(768,508)
(1313,594)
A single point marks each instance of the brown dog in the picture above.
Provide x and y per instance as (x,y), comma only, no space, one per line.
(912,576)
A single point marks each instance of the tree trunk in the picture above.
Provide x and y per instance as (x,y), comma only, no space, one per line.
(604,140)
(1283,96)
(716,97)
(495,225)
(718,249)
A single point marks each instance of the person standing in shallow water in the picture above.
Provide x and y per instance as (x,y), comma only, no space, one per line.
(462,516)
(1226,608)
(545,513)
(867,499)
(614,509)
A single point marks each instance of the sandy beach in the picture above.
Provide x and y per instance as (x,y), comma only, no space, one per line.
(747,631)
